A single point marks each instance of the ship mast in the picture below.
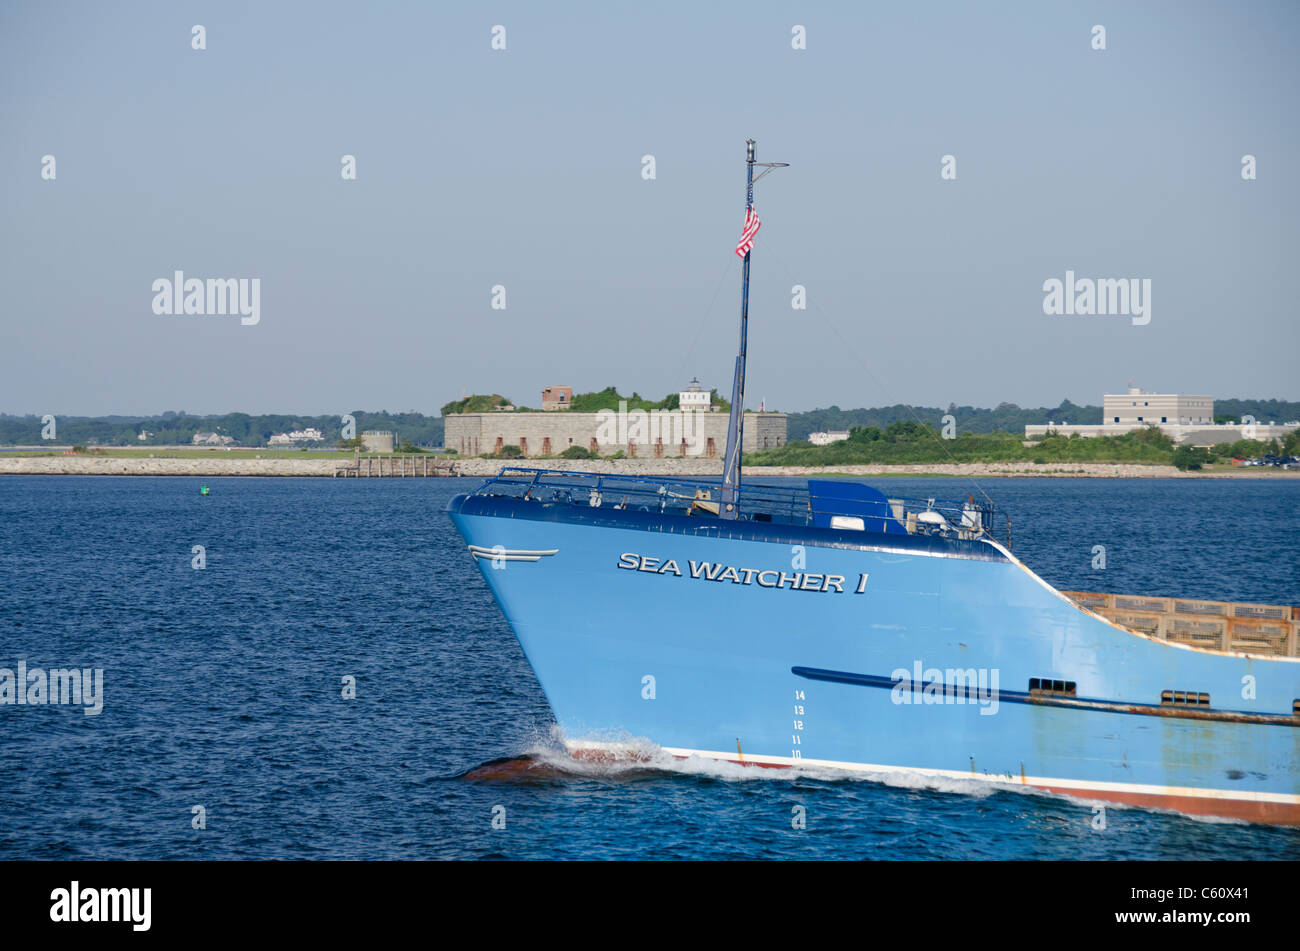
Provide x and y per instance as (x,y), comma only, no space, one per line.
(736,424)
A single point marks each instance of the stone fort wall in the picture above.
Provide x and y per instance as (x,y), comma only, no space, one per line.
(668,435)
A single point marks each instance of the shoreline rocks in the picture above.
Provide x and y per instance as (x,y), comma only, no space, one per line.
(685,468)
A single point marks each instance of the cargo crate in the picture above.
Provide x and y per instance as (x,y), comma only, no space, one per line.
(1126,602)
(1280,612)
(1259,636)
(1268,629)
(1217,608)
(1273,646)
(1090,599)
(1148,623)
(1198,632)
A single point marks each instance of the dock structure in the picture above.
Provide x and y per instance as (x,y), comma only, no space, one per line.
(1270,629)
(408,465)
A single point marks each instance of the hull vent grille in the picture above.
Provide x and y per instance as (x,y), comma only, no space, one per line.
(1184,698)
(1059,688)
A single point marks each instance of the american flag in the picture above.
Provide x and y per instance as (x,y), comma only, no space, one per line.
(752,224)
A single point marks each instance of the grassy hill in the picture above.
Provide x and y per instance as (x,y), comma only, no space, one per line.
(608,398)
(475,404)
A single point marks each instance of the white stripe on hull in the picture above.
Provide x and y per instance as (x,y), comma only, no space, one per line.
(1082,786)
(510,554)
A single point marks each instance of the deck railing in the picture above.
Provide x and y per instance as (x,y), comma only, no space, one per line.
(759,501)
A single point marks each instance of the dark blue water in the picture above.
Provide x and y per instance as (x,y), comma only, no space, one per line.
(223,686)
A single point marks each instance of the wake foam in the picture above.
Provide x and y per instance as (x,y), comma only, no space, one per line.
(624,758)
(547,758)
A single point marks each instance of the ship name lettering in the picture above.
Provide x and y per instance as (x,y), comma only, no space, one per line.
(710,571)
(635,562)
(716,571)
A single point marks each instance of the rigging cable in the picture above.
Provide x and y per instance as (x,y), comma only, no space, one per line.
(850,348)
(699,330)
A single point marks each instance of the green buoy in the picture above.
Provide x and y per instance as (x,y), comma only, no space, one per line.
(203,490)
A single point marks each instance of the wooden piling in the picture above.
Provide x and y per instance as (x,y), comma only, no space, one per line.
(374,468)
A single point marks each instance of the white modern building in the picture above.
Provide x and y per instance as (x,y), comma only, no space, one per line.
(1137,408)
(1183,418)
(211,439)
(825,439)
(310,434)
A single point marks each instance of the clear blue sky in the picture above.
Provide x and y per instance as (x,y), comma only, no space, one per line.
(523,168)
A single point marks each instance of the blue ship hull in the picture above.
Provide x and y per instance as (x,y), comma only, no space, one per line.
(874,651)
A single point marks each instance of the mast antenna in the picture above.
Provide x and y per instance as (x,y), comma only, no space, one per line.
(736,423)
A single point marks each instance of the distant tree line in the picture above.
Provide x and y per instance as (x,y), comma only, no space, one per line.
(178,428)
(909,442)
(417,429)
(1005,418)
(1008,417)
(1264,411)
